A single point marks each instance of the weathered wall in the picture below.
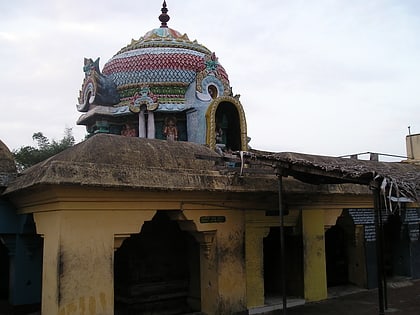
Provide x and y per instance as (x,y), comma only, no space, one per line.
(78,258)
(315,277)
(223,284)
(357,258)
(257,228)
(82,227)
(80,237)
(254,238)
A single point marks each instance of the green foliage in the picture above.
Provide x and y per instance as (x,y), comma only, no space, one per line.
(27,156)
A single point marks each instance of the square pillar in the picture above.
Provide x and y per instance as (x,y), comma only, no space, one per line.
(315,274)
(78,264)
(254,254)
(231,265)
(222,261)
(48,225)
(208,272)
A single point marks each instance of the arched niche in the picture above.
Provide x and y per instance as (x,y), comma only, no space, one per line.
(158,270)
(226,113)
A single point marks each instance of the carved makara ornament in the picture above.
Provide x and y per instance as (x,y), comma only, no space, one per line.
(97,89)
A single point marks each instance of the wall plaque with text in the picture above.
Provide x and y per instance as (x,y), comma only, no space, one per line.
(213,219)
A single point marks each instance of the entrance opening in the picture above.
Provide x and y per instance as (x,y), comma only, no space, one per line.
(293,263)
(336,256)
(4,272)
(228,126)
(346,256)
(158,270)
(396,248)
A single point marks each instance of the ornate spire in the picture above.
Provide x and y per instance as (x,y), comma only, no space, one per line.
(164,17)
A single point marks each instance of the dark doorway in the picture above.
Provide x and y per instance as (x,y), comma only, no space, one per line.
(293,262)
(228,121)
(4,272)
(158,270)
(396,248)
(336,256)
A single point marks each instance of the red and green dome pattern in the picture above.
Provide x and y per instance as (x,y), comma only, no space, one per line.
(164,60)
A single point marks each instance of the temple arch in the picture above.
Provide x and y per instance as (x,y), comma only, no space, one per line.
(226,124)
(157,271)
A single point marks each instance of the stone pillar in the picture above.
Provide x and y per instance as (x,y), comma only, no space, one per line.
(223,279)
(315,275)
(142,125)
(86,259)
(48,225)
(78,264)
(357,257)
(254,251)
(208,271)
(150,125)
(231,265)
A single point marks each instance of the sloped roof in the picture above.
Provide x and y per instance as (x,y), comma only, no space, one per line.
(400,178)
(7,165)
(7,162)
(123,162)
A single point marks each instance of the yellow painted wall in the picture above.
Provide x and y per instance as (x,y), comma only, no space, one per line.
(78,258)
(224,269)
(330,217)
(80,238)
(257,227)
(315,277)
(255,265)
(82,227)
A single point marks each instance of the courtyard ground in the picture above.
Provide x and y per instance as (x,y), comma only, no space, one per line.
(403,299)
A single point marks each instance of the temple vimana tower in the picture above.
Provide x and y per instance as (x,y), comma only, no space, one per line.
(163,86)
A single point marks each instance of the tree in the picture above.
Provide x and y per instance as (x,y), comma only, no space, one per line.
(27,156)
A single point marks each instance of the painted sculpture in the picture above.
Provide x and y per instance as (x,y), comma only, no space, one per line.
(97,89)
(170,131)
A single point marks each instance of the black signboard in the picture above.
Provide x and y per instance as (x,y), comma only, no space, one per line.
(213,219)
(366,217)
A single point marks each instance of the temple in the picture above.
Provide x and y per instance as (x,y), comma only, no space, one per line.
(165,209)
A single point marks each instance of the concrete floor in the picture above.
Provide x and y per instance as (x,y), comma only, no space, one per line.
(403,299)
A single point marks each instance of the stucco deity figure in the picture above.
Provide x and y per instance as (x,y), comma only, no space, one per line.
(219,134)
(170,131)
(128,130)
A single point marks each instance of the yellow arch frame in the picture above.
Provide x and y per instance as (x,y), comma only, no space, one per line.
(211,121)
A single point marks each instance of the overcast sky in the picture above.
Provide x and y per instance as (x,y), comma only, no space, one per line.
(323,77)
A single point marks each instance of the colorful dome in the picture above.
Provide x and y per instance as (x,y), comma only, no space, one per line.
(163,81)
(164,60)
